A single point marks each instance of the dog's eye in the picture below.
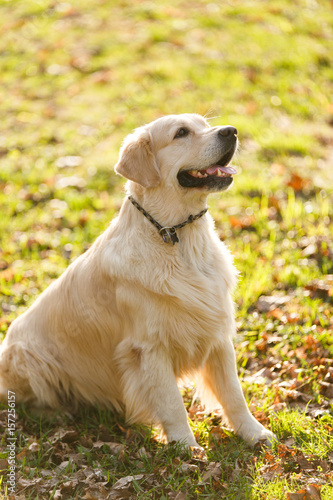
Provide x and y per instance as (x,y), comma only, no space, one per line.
(182,132)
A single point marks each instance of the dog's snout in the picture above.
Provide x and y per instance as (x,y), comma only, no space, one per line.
(228,131)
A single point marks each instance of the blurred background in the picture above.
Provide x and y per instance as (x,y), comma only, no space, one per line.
(77,77)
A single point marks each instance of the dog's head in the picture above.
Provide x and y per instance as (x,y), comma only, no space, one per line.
(180,151)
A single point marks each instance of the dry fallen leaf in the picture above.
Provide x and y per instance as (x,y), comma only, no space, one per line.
(95,492)
(115,448)
(213,472)
(68,487)
(3,464)
(322,287)
(125,482)
(26,484)
(65,436)
(177,495)
(63,466)
(267,303)
(263,376)
(290,442)
(270,471)
(186,467)
(311,492)
(20,456)
(86,442)
(242,222)
(298,183)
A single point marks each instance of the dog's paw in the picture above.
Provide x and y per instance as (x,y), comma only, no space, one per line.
(253,432)
(265,437)
(185,437)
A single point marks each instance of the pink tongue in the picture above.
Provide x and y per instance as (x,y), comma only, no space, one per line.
(227,170)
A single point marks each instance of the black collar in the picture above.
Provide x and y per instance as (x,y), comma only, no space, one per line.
(168,233)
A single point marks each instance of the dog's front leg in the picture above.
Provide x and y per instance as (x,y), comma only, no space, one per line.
(220,378)
(150,391)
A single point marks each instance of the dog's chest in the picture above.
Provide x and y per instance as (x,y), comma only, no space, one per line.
(193,311)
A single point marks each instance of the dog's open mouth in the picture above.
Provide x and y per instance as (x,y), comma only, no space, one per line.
(215,170)
(217,177)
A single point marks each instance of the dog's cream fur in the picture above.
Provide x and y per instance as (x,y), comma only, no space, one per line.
(133,314)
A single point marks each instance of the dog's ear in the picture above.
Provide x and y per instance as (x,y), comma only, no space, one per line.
(137,161)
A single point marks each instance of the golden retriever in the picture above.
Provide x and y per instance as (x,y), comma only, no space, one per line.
(148,303)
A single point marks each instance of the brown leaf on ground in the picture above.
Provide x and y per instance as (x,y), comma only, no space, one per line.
(3,464)
(263,376)
(322,287)
(276,314)
(95,492)
(262,417)
(123,495)
(63,466)
(269,457)
(115,448)
(67,489)
(123,487)
(290,442)
(218,433)
(196,411)
(77,458)
(267,303)
(177,495)
(298,183)
(326,389)
(27,484)
(65,436)
(46,486)
(24,453)
(186,467)
(304,463)
(285,452)
(86,442)
(312,463)
(270,471)
(311,492)
(242,222)
(293,395)
(126,481)
(213,472)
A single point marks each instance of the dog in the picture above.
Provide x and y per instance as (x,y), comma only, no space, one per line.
(150,301)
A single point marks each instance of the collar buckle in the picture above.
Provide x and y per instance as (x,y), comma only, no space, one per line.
(169,235)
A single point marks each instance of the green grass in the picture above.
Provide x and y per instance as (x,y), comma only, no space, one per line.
(76,78)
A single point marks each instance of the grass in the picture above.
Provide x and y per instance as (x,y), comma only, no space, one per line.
(76,78)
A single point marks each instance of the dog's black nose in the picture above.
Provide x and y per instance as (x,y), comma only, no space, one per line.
(228,130)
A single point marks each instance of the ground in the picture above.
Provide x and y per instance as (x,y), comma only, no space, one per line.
(76,78)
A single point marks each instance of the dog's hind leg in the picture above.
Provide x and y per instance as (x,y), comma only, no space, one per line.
(150,391)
